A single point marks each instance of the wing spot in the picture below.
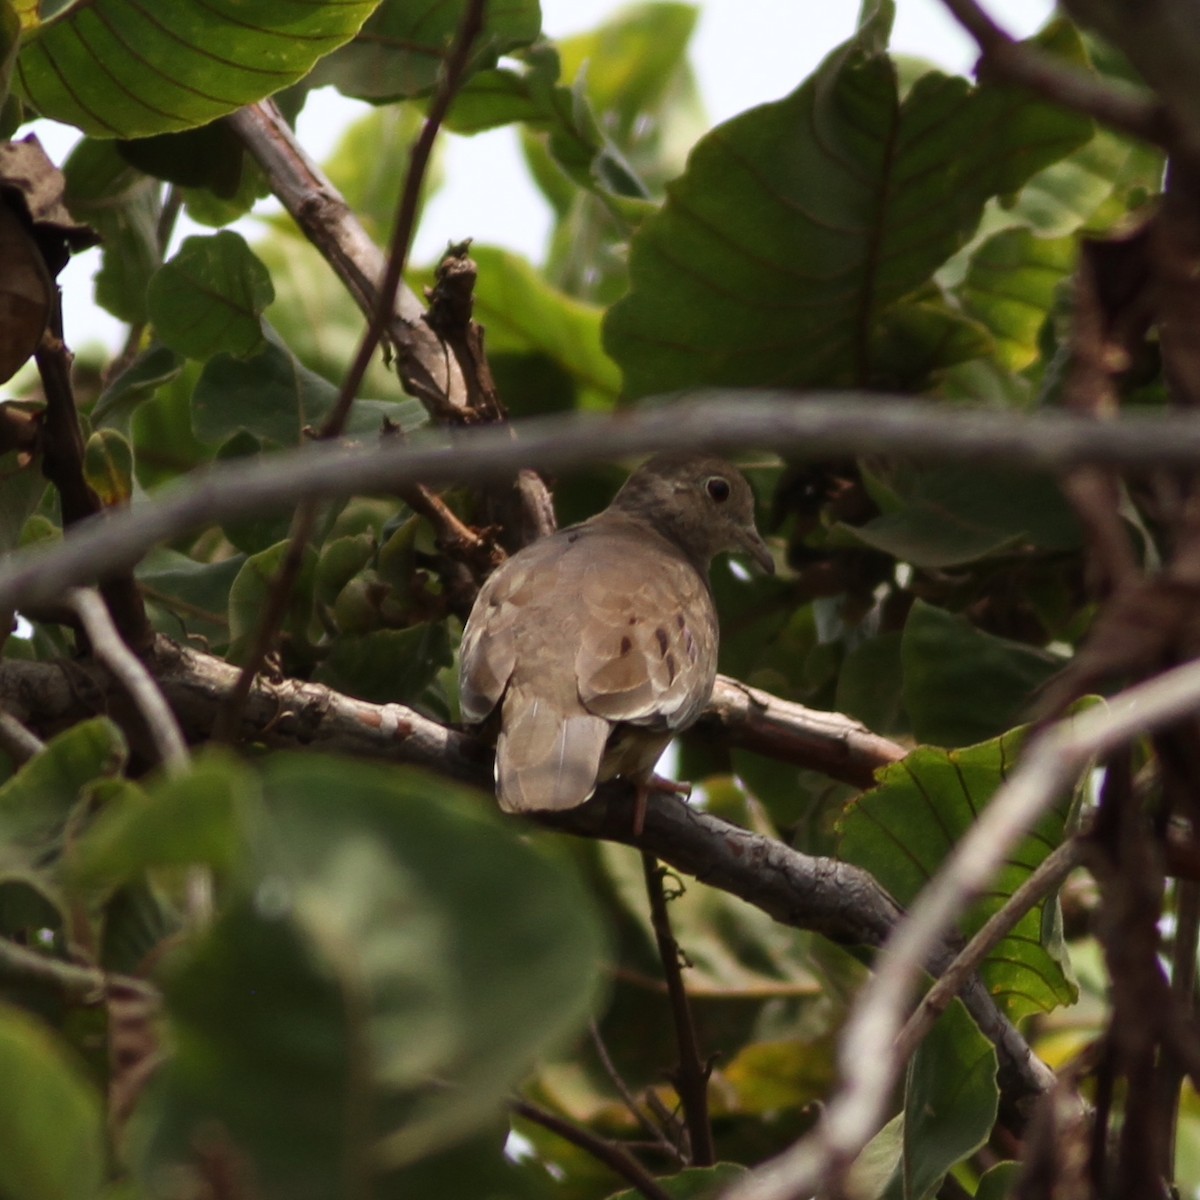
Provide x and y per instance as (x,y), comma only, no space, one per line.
(626,646)
(679,620)
(663,640)
(634,620)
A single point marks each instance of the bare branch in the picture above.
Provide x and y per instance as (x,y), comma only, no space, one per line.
(72,980)
(623,1090)
(325,218)
(1048,876)
(16,741)
(869,1064)
(128,669)
(617,1160)
(691,1075)
(815,428)
(1124,109)
(820,894)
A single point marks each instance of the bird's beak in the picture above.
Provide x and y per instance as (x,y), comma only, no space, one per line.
(753,544)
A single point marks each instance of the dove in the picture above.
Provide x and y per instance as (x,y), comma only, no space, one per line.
(591,648)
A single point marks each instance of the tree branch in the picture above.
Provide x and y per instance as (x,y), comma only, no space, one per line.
(125,666)
(868,1060)
(325,218)
(691,1074)
(617,1160)
(814,428)
(1135,113)
(819,894)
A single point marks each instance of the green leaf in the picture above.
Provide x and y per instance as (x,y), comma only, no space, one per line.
(22,486)
(402,962)
(1011,286)
(950,1103)
(210,297)
(53,1121)
(387,664)
(403,47)
(271,395)
(153,367)
(108,467)
(695,1183)
(944,516)
(962,685)
(249,598)
(10,43)
(116,71)
(198,817)
(529,322)
(1000,1182)
(35,802)
(124,206)
(902,829)
(798,224)
(189,599)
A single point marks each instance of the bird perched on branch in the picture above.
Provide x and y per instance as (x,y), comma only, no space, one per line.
(593,647)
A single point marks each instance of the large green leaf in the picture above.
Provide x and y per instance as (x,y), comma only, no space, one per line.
(946,515)
(1011,285)
(403,46)
(271,395)
(902,829)
(544,346)
(387,664)
(950,1103)
(188,599)
(209,297)
(35,802)
(798,224)
(125,69)
(403,959)
(124,206)
(962,685)
(53,1121)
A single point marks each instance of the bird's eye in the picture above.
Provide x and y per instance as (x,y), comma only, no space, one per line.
(717,488)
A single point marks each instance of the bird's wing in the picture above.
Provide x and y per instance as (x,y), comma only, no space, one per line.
(647,648)
(488,652)
(518,651)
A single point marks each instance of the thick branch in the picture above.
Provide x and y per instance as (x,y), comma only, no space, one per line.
(869,1062)
(325,218)
(846,423)
(820,894)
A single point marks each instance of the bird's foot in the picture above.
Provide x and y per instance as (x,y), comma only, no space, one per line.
(661,785)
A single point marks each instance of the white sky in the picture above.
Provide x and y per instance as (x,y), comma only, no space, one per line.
(745,52)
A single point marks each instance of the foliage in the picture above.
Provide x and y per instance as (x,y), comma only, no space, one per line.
(359,966)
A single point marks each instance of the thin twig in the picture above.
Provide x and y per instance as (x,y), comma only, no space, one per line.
(869,1063)
(16,741)
(812,427)
(305,519)
(108,647)
(1135,113)
(62,464)
(128,669)
(452,75)
(691,1074)
(1046,878)
(72,980)
(656,1135)
(613,1157)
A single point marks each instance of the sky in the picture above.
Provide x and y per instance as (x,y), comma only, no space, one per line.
(737,66)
